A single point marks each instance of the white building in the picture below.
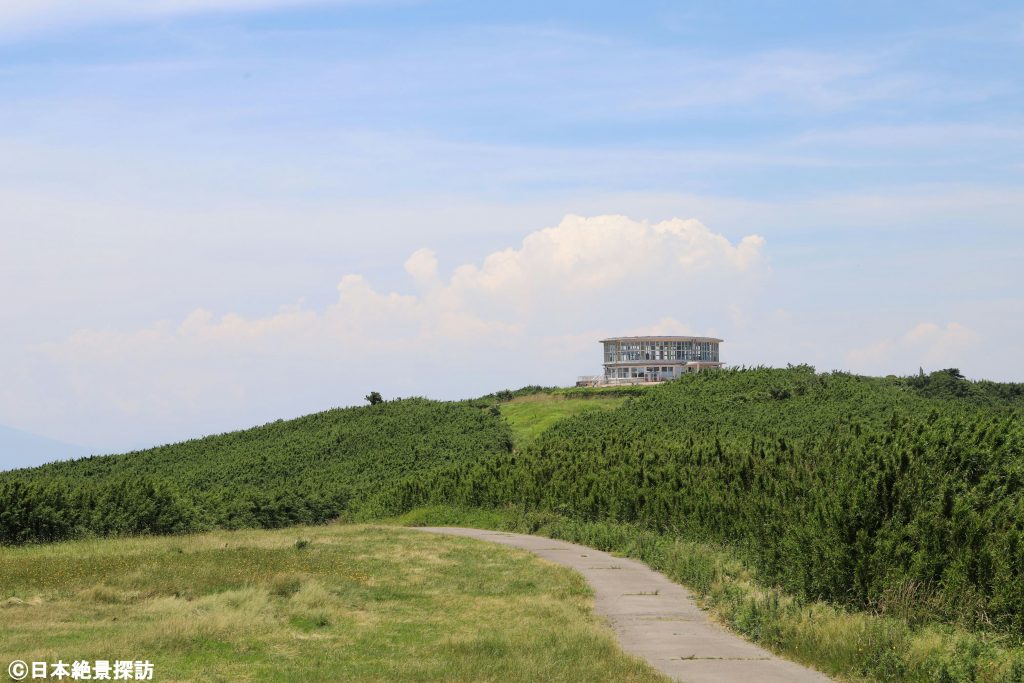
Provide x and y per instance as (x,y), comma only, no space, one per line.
(636,360)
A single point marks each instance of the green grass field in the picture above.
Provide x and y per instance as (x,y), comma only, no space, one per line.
(529,416)
(350,603)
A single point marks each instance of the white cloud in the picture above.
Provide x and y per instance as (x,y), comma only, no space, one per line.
(531,313)
(923,135)
(422,266)
(926,345)
(821,80)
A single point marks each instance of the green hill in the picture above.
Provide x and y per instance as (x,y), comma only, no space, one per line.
(899,495)
(903,496)
(300,471)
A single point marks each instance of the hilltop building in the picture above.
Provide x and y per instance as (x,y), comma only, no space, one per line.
(640,360)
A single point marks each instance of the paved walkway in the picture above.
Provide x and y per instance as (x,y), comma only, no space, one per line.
(654,618)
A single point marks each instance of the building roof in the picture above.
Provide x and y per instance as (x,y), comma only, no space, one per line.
(662,338)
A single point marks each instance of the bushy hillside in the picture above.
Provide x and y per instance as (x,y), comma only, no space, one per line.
(305,470)
(901,495)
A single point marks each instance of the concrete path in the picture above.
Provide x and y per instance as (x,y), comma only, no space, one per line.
(654,618)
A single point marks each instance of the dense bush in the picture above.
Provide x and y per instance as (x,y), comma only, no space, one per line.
(300,471)
(901,495)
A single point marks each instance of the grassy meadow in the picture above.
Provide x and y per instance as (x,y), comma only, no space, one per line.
(338,602)
(529,416)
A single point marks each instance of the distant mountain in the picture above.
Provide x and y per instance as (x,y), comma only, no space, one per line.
(24,449)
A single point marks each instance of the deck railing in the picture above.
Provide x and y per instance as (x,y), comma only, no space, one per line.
(602,381)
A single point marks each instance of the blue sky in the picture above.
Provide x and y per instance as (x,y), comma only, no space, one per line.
(184,186)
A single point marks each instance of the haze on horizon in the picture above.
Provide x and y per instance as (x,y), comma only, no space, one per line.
(218,214)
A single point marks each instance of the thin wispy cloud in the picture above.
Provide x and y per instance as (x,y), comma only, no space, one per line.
(916,135)
(37,15)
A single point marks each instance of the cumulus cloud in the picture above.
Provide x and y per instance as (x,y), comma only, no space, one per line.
(422,266)
(580,269)
(927,345)
(530,313)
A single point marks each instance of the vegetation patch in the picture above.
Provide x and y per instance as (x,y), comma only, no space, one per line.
(303,471)
(881,494)
(890,505)
(848,645)
(530,415)
(360,603)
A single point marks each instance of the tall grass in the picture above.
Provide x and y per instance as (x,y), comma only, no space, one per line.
(851,645)
(352,603)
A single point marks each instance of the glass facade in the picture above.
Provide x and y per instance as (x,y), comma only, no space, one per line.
(651,373)
(635,360)
(677,350)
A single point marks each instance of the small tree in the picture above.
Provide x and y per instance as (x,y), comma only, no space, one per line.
(374,398)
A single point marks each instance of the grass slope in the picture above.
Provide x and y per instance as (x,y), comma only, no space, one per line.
(353,603)
(529,416)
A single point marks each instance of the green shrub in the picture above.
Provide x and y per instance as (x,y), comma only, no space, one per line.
(882,494)
(303,471)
